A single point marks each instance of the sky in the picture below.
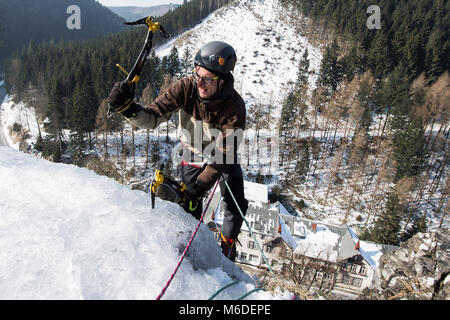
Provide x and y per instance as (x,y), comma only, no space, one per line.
(137,3)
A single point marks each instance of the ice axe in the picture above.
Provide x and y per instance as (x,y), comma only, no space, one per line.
(133,76)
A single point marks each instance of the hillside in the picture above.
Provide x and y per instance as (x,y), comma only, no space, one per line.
(414,34)
(23,21)
(135,13)
(340,153)
(267,46)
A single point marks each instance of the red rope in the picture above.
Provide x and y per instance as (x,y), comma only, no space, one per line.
(188,245)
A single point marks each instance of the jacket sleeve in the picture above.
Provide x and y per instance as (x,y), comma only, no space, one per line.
(160,110)
(227,148)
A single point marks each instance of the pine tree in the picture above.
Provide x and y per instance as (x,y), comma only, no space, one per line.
(330,75)
(288,112)
(55,115)
(366,100)
(82,117)
(352,64)
(153,66)
(434,53)
(303,71)
(186,62)
(409,149)
(173,62)
(419,225)
(387,226)
(303,163)
(394,99)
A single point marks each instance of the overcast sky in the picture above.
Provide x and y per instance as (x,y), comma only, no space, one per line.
(137,3)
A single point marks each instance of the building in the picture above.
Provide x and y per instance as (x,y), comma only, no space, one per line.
(315,254)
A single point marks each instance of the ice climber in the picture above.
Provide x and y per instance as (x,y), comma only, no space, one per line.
(211,117)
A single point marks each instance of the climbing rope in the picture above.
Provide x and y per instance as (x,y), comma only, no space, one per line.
(223,288)
(233,283)
(249,293)
(250,229)
(192,238)
(188,245)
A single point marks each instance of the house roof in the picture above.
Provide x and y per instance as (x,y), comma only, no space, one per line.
(315,239)
(261,217)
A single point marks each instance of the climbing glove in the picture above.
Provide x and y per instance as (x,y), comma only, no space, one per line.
(121,99)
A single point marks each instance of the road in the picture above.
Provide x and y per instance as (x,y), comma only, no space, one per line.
(2,95)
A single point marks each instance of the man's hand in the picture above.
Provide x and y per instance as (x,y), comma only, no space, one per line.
(121,98)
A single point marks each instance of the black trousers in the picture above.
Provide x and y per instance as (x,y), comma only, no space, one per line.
(233,220)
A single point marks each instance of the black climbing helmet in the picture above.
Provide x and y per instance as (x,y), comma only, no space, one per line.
(216,56)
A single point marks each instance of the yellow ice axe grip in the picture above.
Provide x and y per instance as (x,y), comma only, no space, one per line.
(152,26)
(135,79)
(159,178)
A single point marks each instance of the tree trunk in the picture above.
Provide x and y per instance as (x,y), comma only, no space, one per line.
(147,147)
(350,203)
(438,177)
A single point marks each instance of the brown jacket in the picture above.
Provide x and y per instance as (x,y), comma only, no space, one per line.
(202,123)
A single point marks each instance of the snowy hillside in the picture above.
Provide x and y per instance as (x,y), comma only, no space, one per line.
(267,47)
(67,233)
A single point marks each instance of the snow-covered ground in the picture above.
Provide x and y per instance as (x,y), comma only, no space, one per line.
(67,233)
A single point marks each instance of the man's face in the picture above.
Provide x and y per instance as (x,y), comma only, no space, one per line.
(206,82)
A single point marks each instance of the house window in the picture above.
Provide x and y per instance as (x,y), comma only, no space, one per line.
(253,258)
(353,268)
(363,271)
(346,280)
(328,276)
(357,282)
(319,276)
(262,237)
(344,267)
(251,245)
(269,249)
(243,256)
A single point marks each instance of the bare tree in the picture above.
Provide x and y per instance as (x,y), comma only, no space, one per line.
(335,169)
(404,190)
(165,85)
(147,97)
(444,196)
(101,121)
